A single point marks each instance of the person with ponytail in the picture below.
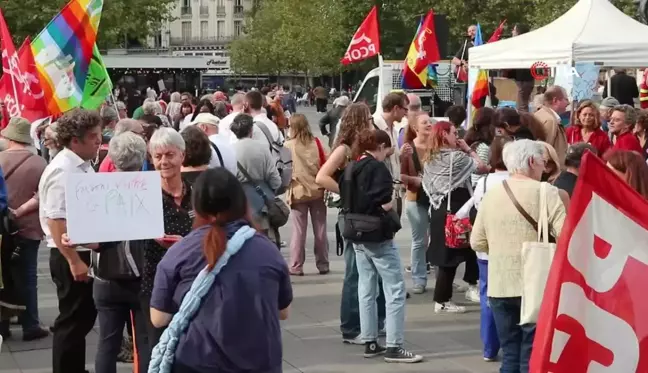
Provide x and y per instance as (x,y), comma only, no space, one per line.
(221,290)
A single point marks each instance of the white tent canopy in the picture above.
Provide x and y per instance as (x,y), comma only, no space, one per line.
(591,31)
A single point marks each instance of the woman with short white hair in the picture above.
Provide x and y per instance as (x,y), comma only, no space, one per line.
(167,149)
(152,108)
(507,217)
(116,275)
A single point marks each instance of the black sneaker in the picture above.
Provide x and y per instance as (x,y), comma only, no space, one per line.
(373,349)
(401,355)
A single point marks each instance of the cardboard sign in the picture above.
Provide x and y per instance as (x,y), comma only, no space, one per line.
(115,206)
(593,316)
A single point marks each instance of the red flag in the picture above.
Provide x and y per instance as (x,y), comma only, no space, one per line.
(366,40)
(33,97)
(20,89)
(497,34)
(10,88)
(593,315)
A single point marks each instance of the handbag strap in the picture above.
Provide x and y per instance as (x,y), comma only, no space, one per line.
(417,161)
(17,166)
(348,187)
(519,207)
(450,180)
(250,180)
(543,224)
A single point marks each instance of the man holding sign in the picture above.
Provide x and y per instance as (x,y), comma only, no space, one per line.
(79,132)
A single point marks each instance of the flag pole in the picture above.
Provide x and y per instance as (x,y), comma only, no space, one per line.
(114,100)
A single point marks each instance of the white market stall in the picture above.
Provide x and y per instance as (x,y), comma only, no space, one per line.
(592,31)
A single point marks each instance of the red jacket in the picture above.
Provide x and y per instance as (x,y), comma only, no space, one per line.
(598,139)
(628,141)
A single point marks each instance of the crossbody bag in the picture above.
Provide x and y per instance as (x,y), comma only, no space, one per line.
(278,211)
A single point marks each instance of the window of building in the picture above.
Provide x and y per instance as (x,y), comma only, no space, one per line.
(238,28)
(186,30)
(204,29)
(220,29)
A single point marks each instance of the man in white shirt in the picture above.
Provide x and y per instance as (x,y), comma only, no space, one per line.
(238,103)
(254,105)
(79,132)
(223,154)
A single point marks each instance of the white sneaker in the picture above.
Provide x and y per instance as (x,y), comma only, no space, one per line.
(448,307)
(459,288)
(353,341)
(472,294)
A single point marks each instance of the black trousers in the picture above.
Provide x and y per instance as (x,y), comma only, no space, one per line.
(115,302)
(77,314)
(445,277)
(320,104)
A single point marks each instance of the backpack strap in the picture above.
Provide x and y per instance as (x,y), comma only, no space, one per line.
(274,146)
(218,153)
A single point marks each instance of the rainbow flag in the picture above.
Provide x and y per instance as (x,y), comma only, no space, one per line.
(63,51)
(480,90)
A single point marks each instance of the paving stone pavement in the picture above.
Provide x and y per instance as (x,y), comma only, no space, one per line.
(311,337)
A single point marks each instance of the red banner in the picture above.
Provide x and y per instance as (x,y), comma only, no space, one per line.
(593,316)
(366,40)
(20,89)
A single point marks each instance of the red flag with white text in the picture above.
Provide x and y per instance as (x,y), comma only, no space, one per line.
(33,97)
(9,90)
(366,40)
(593,315)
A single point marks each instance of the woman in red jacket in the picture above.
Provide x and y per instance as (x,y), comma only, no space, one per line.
(586,127)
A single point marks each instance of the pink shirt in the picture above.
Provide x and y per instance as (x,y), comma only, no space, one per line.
(107,165)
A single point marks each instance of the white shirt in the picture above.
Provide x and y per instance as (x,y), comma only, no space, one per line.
(257,133)
(51,189)
(185,122)
(227,151)
(225,126)
(394,159)
(492,180)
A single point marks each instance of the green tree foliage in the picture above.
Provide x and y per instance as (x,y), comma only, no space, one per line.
(311,36)
(135,18)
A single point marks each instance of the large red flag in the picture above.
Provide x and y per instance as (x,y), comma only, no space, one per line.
(9,88)
(593,315)
(33,98)
(497,34)
(366,40)
(20,89)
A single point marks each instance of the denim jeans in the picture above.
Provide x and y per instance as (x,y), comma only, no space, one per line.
(487,329)
(417,215)
(381,260)
(29,262)
(349,308)
(516,340)
(116,301)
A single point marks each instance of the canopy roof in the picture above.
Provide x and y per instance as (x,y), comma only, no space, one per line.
(591,31)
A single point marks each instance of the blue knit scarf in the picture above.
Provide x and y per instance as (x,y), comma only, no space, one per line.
(164,352)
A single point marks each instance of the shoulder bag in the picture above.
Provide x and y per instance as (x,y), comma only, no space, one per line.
(421,197)
(537,257)
(457,230)
(364,227)
(278,211)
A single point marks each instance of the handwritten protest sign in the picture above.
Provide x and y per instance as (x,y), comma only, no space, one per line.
(116,206)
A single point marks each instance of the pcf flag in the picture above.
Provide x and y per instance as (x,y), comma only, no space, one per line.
(98,85)
(63,51)
(33,99)
(365,42)
(593,314)
(11,82)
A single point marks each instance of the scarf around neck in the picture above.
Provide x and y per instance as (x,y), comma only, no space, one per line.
(437,178)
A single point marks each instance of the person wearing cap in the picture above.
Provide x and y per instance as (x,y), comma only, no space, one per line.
(22,170)
(332,117)
(223,153)
(567,178)
(605,109)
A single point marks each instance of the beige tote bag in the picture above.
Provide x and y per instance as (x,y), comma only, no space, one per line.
(536,263)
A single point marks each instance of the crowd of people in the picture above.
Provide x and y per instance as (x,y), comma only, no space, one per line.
(209,294)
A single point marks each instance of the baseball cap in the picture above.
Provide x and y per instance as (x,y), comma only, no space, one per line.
(205,118)
(575,153)
(609,102)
